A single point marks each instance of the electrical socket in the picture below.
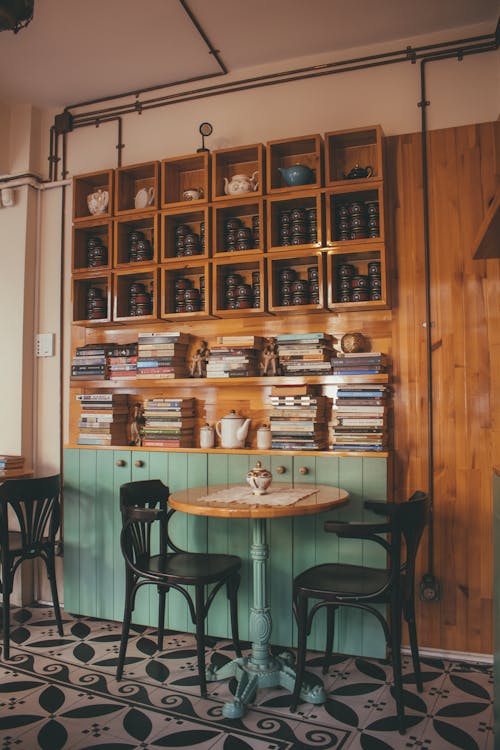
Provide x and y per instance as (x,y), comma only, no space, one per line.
(44,345)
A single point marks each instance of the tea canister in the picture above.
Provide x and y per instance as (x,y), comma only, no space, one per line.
(264,437)
(207,436)
(259,479)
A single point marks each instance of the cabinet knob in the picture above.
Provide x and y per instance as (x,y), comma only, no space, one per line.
(120,462)
(280,469)
(303,470)
(139,463)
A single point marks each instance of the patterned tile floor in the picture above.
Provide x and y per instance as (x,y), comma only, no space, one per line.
(61,694)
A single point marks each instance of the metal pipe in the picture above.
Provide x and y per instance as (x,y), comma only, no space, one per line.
(359,63)
(136,92)
(430,589)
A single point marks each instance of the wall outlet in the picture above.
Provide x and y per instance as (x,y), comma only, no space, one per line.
(44,345)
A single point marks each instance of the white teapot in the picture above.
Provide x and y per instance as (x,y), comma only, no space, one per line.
(232,430)
(144,197)
(98,202)
(241,183)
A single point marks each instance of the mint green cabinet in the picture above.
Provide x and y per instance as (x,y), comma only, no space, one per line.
(94,568)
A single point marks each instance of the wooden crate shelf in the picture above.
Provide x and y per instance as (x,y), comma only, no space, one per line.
(368,197)
(86,184)
(248,269)
(146,225)
(281,154)
(299,264)
(250,216)
(360,259)
(228,162)
(311,203)
(182,173)
(86,288)
(199,277)
(194,221)
(348,149)
(99,231)
(123,279)
(131,181)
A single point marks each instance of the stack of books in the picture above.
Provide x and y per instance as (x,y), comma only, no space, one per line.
(360,363)
(162,354)
(91,362)
(169,422)
(234,357)
(299,418)
(122,361)
(103,419)
(305,353)
(11,463)
(359,418)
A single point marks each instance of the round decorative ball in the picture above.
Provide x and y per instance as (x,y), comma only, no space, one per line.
(353,342)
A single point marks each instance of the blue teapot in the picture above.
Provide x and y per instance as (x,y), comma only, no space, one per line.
(298,174)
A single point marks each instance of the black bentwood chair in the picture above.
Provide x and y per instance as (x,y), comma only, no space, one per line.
(334,585)
(35,515)
(146,503)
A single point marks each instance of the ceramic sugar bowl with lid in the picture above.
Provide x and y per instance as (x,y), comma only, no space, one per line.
(259,479)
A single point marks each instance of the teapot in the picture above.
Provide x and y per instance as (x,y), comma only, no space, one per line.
(98,202)
(259,479)
(192,194)
(298,174)
(232,430)
(241,183)
(144,197)
(358,172)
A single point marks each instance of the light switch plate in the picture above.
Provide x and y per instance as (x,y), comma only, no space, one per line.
(44,345)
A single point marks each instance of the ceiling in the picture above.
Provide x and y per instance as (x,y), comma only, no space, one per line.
(76,50)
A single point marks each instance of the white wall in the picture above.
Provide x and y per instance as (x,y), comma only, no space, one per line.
(459,93)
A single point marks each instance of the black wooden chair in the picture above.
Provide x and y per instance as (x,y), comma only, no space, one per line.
(35,516)
(143,504)
(334,585)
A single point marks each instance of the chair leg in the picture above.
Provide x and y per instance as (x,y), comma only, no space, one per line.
(232,591)
(396,664)
(200,638)
(6,619)
(301,613)
(330,632)
(412,632)
(162,594)
(127,618)
(50,564)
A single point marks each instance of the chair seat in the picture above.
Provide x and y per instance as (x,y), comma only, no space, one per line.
(189,567)
(339,579)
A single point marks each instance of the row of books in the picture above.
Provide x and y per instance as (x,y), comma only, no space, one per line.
(360,363)
(169,422)
(299,418)
(305,353)
(360,418)
(9,462)
(162,354)
(103,419)
(104,361)
(235,357)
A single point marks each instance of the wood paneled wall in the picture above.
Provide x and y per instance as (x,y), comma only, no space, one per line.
(463,168)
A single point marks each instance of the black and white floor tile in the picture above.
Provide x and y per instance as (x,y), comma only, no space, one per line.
(61,694)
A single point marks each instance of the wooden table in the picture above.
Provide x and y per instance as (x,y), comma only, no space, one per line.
(261,668)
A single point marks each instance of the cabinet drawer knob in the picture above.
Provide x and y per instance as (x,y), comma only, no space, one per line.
(280,469)
(120,462)
(139,463)
(303,470)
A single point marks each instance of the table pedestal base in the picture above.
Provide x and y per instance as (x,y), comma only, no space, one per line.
(277,672)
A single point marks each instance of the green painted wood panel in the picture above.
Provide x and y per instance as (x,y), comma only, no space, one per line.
(94,567)
(71,567)
(89,551)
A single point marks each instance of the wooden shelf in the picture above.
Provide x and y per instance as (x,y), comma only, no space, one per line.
(86,184)
(348,149)
(182,173)
(228,162)
(304,150)
(137,188)
(487,242)
(288,380)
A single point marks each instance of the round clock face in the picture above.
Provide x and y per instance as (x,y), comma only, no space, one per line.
(206,128)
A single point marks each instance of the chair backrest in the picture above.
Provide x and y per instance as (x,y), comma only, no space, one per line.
(35,512)
(408,521)
(143,503)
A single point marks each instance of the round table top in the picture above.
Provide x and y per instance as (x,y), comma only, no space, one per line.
(196,501)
